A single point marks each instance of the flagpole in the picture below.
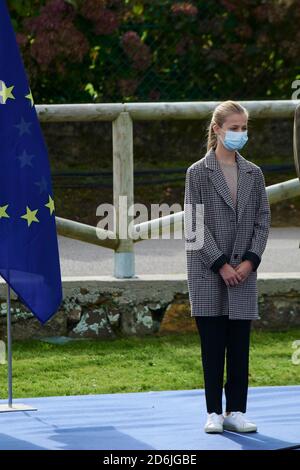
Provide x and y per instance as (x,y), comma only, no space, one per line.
(9,349)
(10,407)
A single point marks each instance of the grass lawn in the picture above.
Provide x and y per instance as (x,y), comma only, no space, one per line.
(161,362)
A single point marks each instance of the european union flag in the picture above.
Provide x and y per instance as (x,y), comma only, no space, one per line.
(29,257)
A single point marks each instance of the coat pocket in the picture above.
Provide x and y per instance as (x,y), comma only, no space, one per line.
(203,271)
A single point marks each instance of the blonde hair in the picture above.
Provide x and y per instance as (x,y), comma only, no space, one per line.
(219,116)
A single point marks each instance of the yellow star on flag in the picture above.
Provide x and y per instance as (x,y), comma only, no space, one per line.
(3,211)
(30,216)
(50,204)
(30,97)
(5,92)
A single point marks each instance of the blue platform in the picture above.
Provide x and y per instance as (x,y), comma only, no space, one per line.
(159,420)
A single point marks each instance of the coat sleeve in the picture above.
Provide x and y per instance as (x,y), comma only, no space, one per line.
(210,254)
(262,224)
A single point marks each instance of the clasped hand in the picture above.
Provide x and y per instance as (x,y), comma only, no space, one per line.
(235,275)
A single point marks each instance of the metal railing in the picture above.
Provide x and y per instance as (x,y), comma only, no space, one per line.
(122,116)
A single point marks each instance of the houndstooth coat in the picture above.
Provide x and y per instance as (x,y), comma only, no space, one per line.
(228,235)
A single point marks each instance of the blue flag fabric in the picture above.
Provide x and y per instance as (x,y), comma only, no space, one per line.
(29,257)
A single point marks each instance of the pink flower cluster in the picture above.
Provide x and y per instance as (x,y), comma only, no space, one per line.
(136,50)
(105,21)
(230,6)
(184,8)
(22,39)
(55,36)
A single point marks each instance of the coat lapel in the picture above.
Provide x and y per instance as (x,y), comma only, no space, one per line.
(244,181)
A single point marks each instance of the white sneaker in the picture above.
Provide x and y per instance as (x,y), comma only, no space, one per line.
(236,421)
(214,423)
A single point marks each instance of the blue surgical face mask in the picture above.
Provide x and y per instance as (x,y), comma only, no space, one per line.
(234,140)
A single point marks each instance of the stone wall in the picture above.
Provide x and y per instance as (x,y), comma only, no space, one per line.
(107,308)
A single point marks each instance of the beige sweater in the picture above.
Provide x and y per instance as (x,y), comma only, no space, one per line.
(230,173)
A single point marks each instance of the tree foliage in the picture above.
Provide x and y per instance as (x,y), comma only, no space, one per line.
(144,50)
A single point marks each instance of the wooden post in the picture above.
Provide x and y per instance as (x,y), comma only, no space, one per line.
(123,194)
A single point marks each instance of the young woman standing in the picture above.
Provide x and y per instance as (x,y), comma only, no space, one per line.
(222,260)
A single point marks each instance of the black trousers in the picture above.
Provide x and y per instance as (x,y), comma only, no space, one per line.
(219,336)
